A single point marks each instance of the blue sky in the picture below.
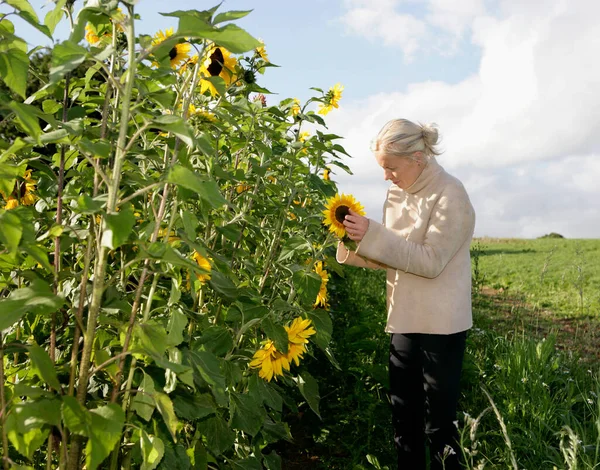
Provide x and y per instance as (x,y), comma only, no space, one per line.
(512,84)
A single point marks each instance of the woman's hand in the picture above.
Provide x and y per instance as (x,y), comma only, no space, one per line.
(356,226)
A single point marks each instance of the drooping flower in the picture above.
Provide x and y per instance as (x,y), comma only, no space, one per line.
(332,98)
(204,263)
(217,62)
(326,174)
(261,51)
(272,362)
(295,107)
(337,208)
(22,193)
(322,295)
(90,34)
(178,53)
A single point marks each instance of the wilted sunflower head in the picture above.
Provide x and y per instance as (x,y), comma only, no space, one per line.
(337,208)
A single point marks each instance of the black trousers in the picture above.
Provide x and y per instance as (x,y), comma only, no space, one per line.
(424,389)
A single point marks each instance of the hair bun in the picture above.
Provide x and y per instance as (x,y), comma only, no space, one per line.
(430,134)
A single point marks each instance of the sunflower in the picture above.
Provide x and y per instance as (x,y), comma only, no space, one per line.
(326,174)
(240,188)
(295,107)
(178,53)
(22,193)
(204,263)
(303,136)
(322,295)
(260,50)
(332,98)
(336,209)
(90,34)
(270,361)
(298,333)
(217,62)
(172,235)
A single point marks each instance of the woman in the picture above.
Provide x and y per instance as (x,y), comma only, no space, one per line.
(424,244)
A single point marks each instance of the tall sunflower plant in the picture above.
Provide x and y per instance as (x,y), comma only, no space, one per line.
(164,264)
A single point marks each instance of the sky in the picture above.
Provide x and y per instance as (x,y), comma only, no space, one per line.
(513,85)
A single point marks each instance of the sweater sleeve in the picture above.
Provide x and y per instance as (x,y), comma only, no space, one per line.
(346,256)
(451,223)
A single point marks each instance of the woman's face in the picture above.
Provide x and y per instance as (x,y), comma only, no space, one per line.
(401,171)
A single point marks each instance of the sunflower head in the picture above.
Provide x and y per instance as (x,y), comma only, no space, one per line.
(337,208)
(204,263)
(295,108)
(178,53)
(331,99)
(326,174)
(217,62)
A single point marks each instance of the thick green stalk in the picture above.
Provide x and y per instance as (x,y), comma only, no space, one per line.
(3,407)
(100,274)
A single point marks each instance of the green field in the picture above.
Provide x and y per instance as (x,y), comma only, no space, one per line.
(530,383)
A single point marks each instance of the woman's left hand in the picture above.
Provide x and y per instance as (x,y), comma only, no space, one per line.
(356,226)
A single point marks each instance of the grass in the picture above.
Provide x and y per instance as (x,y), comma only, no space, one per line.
(530,384)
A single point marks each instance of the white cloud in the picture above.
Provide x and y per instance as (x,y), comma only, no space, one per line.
(521,133)
(378,19)
(440,28)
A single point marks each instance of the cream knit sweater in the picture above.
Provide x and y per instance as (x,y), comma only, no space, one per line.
(424,244)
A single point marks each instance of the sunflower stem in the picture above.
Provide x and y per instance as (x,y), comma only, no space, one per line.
(100,273)
(3,409)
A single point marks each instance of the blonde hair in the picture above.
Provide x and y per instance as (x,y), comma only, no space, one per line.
(401,137)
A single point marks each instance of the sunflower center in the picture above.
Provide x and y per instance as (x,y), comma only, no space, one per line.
(216,63)
(173,53)
(341,212)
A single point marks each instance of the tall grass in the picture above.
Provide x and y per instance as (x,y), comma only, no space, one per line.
(525,404)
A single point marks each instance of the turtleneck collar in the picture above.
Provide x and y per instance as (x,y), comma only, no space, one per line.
(427,175)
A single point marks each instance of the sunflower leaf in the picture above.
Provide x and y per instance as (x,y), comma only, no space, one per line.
(309,388)
(14,65)
(230,15)
(276,333)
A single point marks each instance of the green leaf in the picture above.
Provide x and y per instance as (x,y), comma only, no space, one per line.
(219,437)
(208,190)
(26,115)
(223,285)
(87,205)
(38,254)
(11,231)
(33,20)
(309,388)
(23,6)
(151,336)
(263,392)
(191,407)
(44,366)
(272,461)
(276,333)
(251,463)
(54,16)
(143,403)
(105,432)
(66,56)
(307,285)
(190,224)
(230,36)
(322,323)
(216,340)
(231,15)
(37,299)
(153,450)
(165,407)
(177,126)
(246,415)
(25,438)
(100,149)
(75,416)
(14,65)
(175,327)
(119,226)
(294,245)
(209,369)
